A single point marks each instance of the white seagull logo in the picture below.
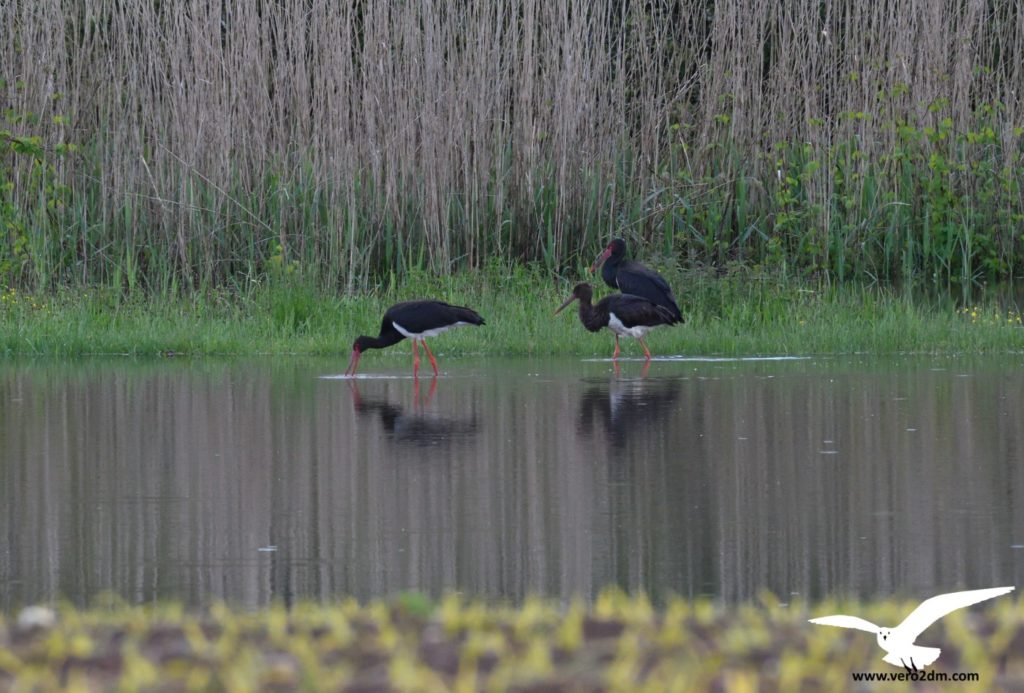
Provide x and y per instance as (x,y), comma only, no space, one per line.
(898,642)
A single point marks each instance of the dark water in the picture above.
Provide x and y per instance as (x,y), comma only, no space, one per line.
(256,480)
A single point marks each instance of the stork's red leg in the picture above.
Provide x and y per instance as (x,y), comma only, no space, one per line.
(353,363)
(616,354)
(433,361)
(647,352)
(357,401)
(415,360)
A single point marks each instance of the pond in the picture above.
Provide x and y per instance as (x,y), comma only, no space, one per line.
(276,479)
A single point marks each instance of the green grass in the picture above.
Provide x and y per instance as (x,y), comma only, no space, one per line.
(745,312)
(616,643)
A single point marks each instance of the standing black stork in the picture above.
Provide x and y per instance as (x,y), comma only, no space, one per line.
(416,320)
(631,277)
(624,314)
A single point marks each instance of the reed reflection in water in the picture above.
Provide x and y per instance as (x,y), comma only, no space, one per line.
(254,480)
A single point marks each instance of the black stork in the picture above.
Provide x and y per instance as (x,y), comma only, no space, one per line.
(624,314)
(416,320)
(631,277)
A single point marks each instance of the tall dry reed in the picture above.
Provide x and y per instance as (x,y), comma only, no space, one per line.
(216,139)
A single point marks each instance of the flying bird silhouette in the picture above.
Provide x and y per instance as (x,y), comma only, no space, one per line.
(898,642)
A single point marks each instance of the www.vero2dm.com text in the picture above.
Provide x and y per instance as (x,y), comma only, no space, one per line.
(928,676)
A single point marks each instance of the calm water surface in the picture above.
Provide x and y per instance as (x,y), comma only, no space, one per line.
(271,479)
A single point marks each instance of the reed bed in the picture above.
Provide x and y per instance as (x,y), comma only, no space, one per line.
(168,146)
(409,643)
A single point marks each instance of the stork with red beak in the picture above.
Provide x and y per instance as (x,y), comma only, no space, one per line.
(415,320)
(631,277)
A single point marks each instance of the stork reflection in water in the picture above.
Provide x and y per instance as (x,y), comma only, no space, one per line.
(622,408)
(414,426)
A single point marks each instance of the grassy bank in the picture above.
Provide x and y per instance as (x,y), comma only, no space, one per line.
(618,643)
(741,313)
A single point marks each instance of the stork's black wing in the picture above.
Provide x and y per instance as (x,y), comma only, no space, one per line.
(639,280)
(633,310)
(421,316)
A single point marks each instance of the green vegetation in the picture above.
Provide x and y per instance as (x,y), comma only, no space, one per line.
(740,313)
(849,146)
(408,643)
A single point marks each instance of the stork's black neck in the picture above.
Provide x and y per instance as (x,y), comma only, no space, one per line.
(608,272)
(593,317)
(388,336)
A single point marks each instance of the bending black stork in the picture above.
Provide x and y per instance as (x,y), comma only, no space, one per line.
(416,320)
(631,277)
(624,314)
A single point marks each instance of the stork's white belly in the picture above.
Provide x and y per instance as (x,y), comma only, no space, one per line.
(426,333)
(616,326)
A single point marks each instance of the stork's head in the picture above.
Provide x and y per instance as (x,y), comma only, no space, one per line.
(615,249)
(583,292)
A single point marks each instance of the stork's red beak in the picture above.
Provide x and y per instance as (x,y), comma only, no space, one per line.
(353,363)
(563,306)
(605,254)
